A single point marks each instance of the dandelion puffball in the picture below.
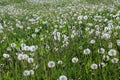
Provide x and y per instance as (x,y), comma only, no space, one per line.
(51,64)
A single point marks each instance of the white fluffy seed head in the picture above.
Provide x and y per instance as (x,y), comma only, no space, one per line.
(60,62)
(20,57)
(112,52)
(102,64)
(94,66)
(13,45)
(106,58)
(86,51)
(62,77)
(115,60)
(30,60)
(51,64)
(118,42)
(74,60)
(101,51)
(92,41)
(31,72)
(80,17)
(26,73)
(6,55)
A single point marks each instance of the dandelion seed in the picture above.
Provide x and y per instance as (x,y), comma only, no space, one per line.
(31,72)
(102,64)
(105,36)
(85,17)
(87,51)
(28,28)
(94,66)
(13,45)
(36,30)
(118,42)
(23,45)
(25,56)
(112,52)
(115,33)
(92,41)
(19,26)
(30,60)
(74,60)
(110,45)
(20,56)
(97,33)
(115,60)
(101,50)
(32,20)
(35,66)
(51,64)
(9,49)
(32,48)
(106,58)
(59,62)
(62,77)
(34,35)
(26,73)
(6,55)
(80,17)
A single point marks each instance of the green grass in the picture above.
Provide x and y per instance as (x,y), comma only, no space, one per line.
(63,16)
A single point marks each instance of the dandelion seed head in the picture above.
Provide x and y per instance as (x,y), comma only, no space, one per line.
(31,72)
(112,52)
(74,60)
(86,51)
(62,77)
(115,60)
(101,51)
(60,62)
(30,60)
(6,55)
(102,64)
(106,58)
(92,41)
(118,42)
(94,66)
(26,73)
(51,64)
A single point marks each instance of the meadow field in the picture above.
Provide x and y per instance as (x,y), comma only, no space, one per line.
(59,39)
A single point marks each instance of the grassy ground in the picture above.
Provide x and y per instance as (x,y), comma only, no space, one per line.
(44,40)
